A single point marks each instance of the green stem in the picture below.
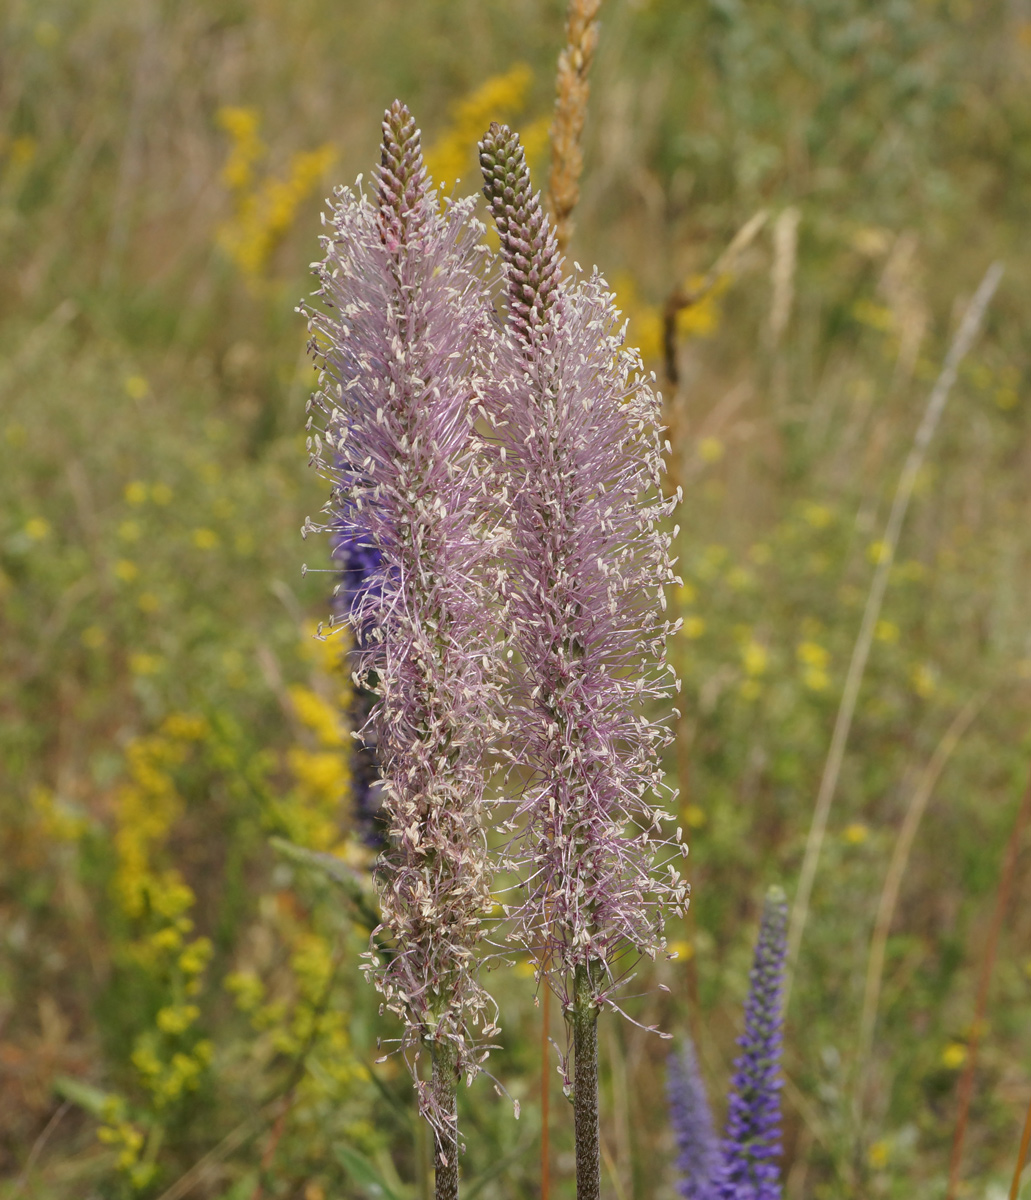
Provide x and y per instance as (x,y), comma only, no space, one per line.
(585,1081)
(445,1136)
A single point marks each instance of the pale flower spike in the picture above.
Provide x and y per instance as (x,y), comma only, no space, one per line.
(400,334)
(580,468)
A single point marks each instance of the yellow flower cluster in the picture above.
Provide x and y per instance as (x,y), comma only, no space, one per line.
(310,814)
(169,1058)
(500,98)
(266,208)
(298,1020)
(122,1135)
(55,820)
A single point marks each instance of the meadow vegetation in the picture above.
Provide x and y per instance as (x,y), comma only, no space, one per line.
(181,1009)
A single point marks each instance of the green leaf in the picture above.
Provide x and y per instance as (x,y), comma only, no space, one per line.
(96,1102)
(365,1174)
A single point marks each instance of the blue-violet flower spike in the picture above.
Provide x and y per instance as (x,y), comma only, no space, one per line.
(751,1144)
(691,1118)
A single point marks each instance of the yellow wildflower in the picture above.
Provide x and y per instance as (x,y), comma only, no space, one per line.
(319,716)
(954,1056)
(711,449)
(694,816)
(693,627)
(196,956)
(176,1019)
(813,654)
(242,125)
(145,664)
(755,658)
(878,1154)
(93,637)
(37,529)
(819,516)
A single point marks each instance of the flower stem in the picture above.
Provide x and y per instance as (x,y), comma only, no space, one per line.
(445,1136)
(585,1081)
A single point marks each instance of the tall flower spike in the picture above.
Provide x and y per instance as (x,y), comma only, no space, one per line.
(404,321)
(578,468)
(691,1118)
(751,1144)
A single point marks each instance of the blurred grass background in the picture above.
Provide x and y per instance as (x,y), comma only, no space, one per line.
(181,1012)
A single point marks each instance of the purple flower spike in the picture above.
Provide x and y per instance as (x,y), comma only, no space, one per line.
(691,1118)
(358,562)
(751,1144)
(579,466)
(402,330)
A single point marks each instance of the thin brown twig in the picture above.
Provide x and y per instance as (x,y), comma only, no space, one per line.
(966,1083)
(961,344)
(567,125)
(684,297)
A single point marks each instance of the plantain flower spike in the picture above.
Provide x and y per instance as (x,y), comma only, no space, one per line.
(579,455)
(401,328)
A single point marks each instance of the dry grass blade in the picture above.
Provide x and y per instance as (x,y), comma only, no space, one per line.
(893,881)
(567,125)
(961,344)
(966,1083)
(1025,1140)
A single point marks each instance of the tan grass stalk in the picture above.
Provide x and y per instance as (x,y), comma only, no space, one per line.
(567,125)
(966,1083)
(893,881)
(961,344)
(782,273)
(900,284)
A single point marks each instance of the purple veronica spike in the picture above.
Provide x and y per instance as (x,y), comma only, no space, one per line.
(751,1144)
(579,465)
(359,561)
(691,1118)
(404,323)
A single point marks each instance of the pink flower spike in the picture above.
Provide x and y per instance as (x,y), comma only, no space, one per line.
(579,454)
(400,333)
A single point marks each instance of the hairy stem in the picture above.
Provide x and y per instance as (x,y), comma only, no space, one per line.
(585,1081)
(445,1137)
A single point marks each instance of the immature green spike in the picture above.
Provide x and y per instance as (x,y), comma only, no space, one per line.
(402,180)
(528,246)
